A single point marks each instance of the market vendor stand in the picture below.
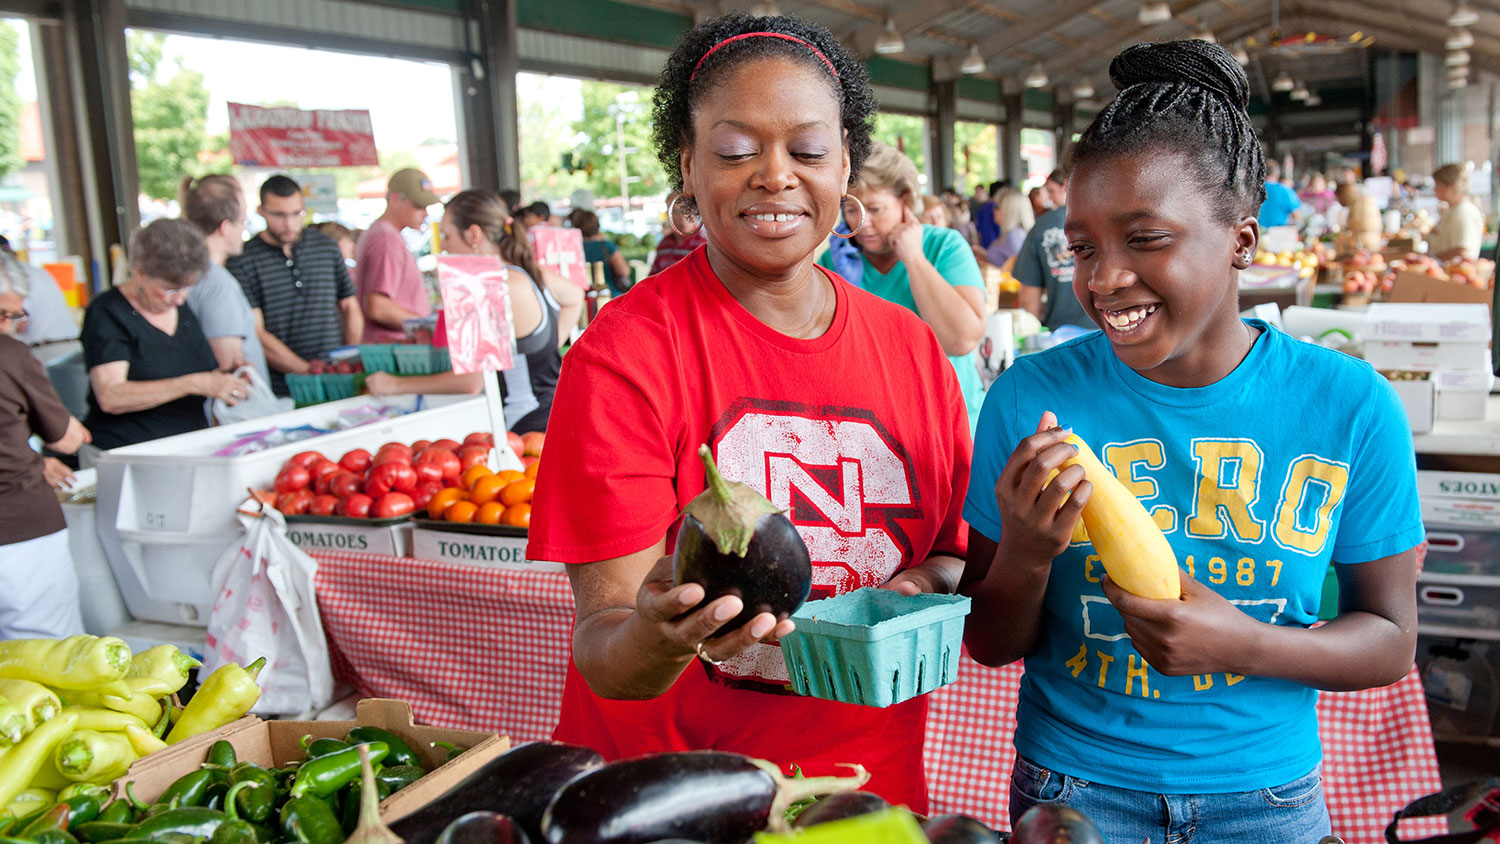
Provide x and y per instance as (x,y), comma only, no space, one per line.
(486,648)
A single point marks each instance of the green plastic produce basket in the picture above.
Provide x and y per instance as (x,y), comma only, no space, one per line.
(306,389)
(421,360)
(875,647)
(336,386)
(379,357)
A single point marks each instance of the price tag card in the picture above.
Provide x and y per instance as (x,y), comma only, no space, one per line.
(476,311)
(561,250)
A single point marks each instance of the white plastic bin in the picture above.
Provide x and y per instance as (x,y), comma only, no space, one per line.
(166,507)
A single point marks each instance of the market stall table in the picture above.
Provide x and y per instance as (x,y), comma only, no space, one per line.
(485,648)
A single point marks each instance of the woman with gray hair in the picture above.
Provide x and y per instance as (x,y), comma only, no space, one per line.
(150,367)
(38,588)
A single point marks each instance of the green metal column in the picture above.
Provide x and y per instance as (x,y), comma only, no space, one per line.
(490,96)
(940,132)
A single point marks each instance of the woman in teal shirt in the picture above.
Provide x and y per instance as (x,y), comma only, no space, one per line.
(928,269)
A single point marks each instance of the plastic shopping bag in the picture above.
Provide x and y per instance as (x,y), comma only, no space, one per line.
(260,402)
(264,606)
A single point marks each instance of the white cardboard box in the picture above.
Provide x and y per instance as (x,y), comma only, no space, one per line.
(1427,322)
(475,549)
(391,540)
(1417,398)
(1459,498)
(1428,356)
(1461,394)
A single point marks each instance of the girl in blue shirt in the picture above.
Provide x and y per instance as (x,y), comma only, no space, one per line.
(1261,458)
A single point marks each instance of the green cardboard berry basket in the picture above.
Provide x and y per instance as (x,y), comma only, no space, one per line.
(875,647)
(421,360)
(337,386)
(378,357)
(306,389)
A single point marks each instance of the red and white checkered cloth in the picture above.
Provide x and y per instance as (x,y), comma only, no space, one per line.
(485,648)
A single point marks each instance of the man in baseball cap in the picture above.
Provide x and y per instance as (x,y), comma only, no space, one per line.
(385,272)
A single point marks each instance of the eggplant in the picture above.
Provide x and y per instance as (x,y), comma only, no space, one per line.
(1055,824)
(957,829)
(519,784)
(839,806)
(484,828)
(733,541)
(704,795)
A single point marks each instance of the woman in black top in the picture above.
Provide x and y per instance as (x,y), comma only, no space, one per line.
(150,367)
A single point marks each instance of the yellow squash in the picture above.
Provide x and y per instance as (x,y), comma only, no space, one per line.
(1134,552)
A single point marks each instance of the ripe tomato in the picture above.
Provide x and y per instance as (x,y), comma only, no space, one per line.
(489,514)
(517,515)
(532,442)
(518,492)
(473,455)
(486,489)
(344,483)
(440,501)
(323,505)
(515,442)
(423,496)
(461,511)
(292,478)
(484,438)
(451,445)
(322,467)
(447,463)
(295,503)
(419,445)
(392,455)
(356,506)
(393,504)
(305,459)
(357,461)
(397,446)
(385,477)
(528,462)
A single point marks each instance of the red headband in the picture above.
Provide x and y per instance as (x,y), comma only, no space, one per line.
(783,36)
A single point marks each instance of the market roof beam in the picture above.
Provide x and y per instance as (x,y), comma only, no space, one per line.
(908,20)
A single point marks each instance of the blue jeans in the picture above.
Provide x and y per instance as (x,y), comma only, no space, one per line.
(1293,813)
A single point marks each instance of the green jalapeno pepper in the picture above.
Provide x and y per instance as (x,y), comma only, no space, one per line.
(97,831)
(400,752)
(236,830)
(325,775)
(118,811)
(257,804)
(308,820)
(191,820)
(397,777)
(54,818)
(189,789)
(325,746)
(349,814)
(222,754)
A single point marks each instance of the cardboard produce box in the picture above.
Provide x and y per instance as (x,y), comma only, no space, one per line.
(1428,322)
(275,743)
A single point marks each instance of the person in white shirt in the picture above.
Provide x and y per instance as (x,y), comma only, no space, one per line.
(1461,228)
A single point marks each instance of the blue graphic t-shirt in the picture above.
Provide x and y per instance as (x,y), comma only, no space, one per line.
(1299,457)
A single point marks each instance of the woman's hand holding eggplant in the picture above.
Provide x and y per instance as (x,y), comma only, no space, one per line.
(681,631)
(1199,633)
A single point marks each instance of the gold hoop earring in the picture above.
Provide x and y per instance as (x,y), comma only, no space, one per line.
(844,211)
(692,219)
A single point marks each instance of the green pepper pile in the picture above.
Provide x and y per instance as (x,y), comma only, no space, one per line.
(314,800)
(79,711)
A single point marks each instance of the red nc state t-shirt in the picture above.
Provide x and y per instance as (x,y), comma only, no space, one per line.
(861,434)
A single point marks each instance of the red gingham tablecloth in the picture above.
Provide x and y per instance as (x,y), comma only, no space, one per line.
(486,648)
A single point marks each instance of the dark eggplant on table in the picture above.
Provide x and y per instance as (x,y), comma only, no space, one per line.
(839,806)
(703,795)
(957,829)
(484,828)
(519,784)
(1055,824)
(733,541)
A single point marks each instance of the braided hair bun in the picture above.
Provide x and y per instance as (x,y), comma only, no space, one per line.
(1186,97)
(1191,62)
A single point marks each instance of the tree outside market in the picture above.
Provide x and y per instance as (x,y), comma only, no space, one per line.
(169,106)
(10,100)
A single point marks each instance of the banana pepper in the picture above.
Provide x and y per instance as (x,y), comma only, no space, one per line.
(35,701)
(225,696)
(91,756)
(162,670)
(77,662)
(21,765)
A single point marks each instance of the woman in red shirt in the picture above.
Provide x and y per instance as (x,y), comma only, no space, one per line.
(836,405)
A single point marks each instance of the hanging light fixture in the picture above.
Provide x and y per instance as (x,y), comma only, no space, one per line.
(1459,39)
(1240,54)
(890,40)
(1283,82)
(1205,35)
(973,62)
(1300,92)
(1457,58)
(1083,90)
(1154,12)
(1463,14)
(1312,101)
(1037,78)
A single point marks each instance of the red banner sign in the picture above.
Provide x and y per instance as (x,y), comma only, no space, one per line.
(294,137)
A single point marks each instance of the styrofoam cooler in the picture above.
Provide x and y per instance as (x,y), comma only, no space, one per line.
(166,507)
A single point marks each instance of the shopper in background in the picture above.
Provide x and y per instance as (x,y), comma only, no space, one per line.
(297,284)
(536,214)
(341,235)
(959,220)
(1282,205)
(1038,200)
(1318,195)
(980,196)
(150,367)
(927,269)
(49,320)
(984,218)
(1044,266)
(1459,231)
(385,272)
(674,246)
(597,248)
(216,206)
(934,212)
(1013,217)
(782,369)
(544,307)
(38,587)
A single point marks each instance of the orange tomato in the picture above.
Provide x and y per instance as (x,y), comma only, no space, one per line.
(474,473)
(442,499)
(517,515)
(533,469)
(486,489)
(489,513)
(461,511)
(510,475)
(518,492)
